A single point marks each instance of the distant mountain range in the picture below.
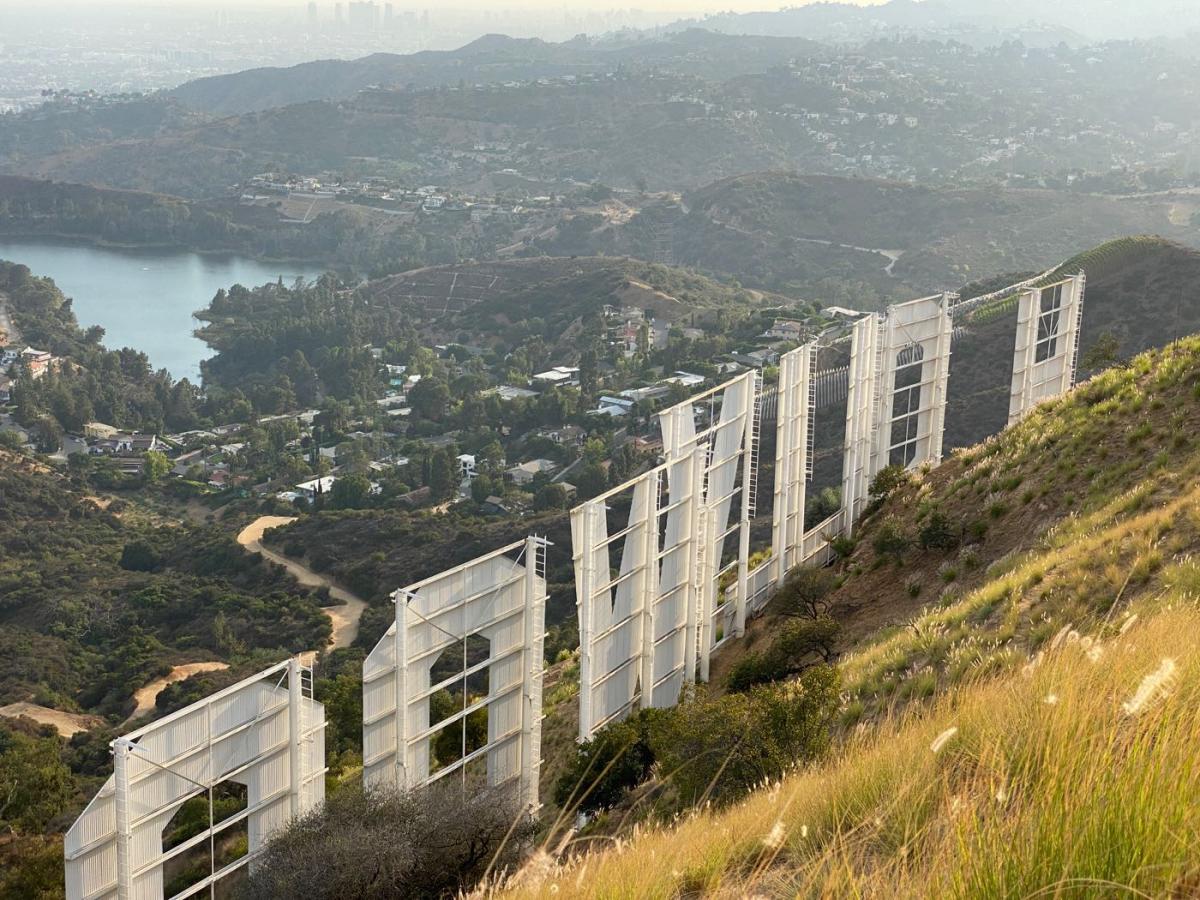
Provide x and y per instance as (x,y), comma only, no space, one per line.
(492,59)
(976,22)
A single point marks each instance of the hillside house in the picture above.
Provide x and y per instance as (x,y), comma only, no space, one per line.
(564,435)
(559,376)
(38,361)
(762,356)
(527,471)
(123,443)
(466,466)
(786,330)
(310,490)
(508,392)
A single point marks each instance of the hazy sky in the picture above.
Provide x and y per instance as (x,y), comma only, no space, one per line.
(669,5)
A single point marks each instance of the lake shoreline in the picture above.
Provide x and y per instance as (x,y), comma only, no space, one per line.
(87,240)
(146,298)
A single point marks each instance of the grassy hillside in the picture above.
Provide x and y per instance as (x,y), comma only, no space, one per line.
(1064,782)
(1018,709)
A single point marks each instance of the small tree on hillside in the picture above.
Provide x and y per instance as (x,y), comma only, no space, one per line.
(156,466)
(1105,352)
(805,592)
(937,533)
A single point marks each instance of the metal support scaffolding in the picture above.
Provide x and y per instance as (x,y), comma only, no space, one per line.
(1046,354)
(910,393)
(635,594)
(261,734)
(793,457)
(860,418)
(726,455)
(497,599)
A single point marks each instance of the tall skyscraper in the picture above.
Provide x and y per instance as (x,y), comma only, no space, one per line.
(364,15)
(388,15)
(312,13)
(337,14)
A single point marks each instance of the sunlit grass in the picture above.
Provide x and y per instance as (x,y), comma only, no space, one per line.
(1034,736)
(1074,776)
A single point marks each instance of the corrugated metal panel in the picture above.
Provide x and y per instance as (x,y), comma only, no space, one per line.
(496,598)
(1047,342)
(240,734)
(725,453)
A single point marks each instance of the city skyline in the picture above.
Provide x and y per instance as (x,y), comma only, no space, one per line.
(682,7)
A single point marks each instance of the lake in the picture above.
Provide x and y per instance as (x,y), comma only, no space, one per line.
(145,298)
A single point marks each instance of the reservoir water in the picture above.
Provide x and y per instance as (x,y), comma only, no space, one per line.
(145,298)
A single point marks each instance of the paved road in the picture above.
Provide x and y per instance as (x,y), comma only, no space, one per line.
(345,617)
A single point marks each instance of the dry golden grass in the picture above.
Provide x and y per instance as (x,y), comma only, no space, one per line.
(1037,736)
(1076,776)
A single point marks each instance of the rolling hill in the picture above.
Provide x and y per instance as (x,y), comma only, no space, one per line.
(490,59)
(863,242)
(1017,704)
(671,115)
(485,299)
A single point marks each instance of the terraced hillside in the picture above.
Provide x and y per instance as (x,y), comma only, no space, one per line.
(482,300)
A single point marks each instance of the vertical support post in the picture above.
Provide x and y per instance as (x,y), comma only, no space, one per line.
(647,590)
(122,750)
(531,676)
(688,482)
(941,381)
(295,738)
(884,397)
(400,649)
(708,583)
(1078,289)
(584,589)
(748,458)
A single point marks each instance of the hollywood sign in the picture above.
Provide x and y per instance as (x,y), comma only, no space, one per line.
(663,579)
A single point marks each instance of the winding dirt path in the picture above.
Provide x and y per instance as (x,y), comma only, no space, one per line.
(344,617)
(146,695)
(68,724)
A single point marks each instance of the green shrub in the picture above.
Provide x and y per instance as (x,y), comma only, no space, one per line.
(386,845)
(843,546)
(891,540)
(938,533)
(721,748)
(805,591)
(977,530)
(617,758)
(800,646)
(754,669)
(888,481)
